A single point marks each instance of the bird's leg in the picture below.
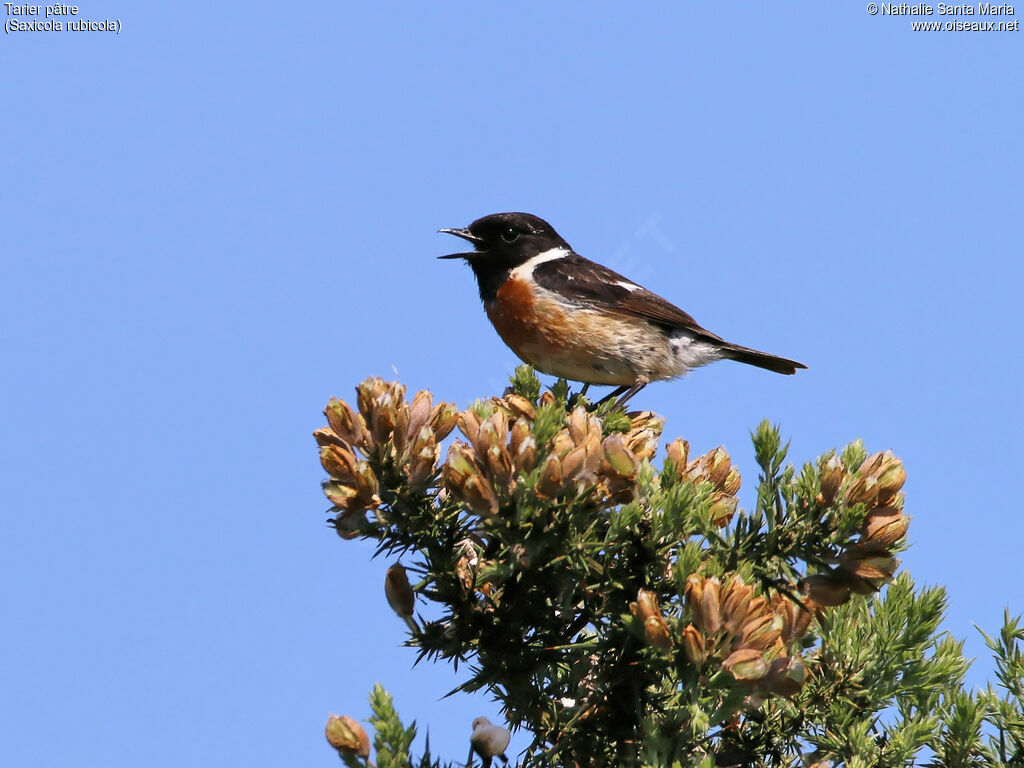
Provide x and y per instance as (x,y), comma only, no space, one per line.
(613,394)
(637,386)
(626,392)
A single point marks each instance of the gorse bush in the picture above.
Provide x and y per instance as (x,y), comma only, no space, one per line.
(625,614)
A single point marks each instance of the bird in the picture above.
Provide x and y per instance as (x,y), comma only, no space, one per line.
(575,319)
(488,741)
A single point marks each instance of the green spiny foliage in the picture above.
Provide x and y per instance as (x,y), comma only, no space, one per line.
(629,614)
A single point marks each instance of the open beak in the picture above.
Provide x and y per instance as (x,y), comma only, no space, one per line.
(465,234)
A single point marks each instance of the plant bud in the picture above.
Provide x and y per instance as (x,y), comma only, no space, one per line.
(340,494)
(796,618)
(486,438)
(694,593)
(463,477)
(736,597)
(655,627)
(479,495)
(863,490)
(595,454)
(499,421)
(890,480)
(519,432)
(618,457)
(656,630)
(746,665)
(872,567)
(732,482)
(339,461)
(520,407)
(710,606)
(326,436)
(443,419)
(400,596)
(578,424)
(423,454)
(825,589)
(384,411)
(459,464)
(786,676)
(717,465)
(873,463)
(801,617)
(574,461)
(679,451)
(644,431)
(562,443)
(758,605)
(419,413)
(646,604)
(546,398)
(693,644)
(832,475)
(885,526)
(499,464)
(722,509)
(549,485)
(368,390)
(469,425)
(525,457)
(761,632)
(350,525)
(643,443)
(401,428)
(345,422)
(347,736)
(641,420)
(384,414)
(358,493)
(365,483)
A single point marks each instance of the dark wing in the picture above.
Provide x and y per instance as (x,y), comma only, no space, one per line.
(584,282)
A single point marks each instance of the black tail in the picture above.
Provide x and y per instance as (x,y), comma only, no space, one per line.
(762,359)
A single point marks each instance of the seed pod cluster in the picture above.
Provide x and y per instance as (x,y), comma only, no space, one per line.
(655,627)
(749,633)
(714,467)
(869,563)
(384,429)
(501,448)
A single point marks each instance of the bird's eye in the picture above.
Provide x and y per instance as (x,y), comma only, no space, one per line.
(510,234)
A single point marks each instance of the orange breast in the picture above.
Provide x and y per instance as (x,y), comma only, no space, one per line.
(582,344)
(526,324)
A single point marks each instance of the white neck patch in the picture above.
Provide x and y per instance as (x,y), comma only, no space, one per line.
(525,270)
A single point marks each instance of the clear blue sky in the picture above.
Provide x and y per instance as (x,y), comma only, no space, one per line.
(225,214)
